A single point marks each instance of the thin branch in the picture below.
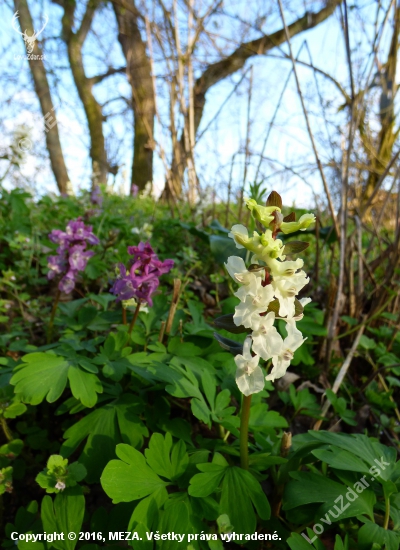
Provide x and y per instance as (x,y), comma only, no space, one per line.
(100,77)
(342,373)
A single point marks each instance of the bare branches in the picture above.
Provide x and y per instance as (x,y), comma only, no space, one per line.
(310,133)
(235,61)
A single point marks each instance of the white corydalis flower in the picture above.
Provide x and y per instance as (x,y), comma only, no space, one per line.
(249,376)
(236,268)
(267,341)
(247,313)
(286,289)
(290,344)
(239,234)
(284,269)
(262,295)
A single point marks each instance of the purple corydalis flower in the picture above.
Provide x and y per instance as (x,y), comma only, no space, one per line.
(141,280)
(78,257)
(72,255)
(96,196)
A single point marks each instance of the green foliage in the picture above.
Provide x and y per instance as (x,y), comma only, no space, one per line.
(140,432)
(45,375)
(58,475)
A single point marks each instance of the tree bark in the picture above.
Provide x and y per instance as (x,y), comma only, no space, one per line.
(42,90)
(143,100)
(232,63)
(84,85)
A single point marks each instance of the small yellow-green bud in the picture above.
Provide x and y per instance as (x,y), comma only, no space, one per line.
(304,222)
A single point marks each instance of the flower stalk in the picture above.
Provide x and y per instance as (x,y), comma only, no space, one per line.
(53,313)
(387,513)
(174,304)
(244,432)
(134,318)
(6,430)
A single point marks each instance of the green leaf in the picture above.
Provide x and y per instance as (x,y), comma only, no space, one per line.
(367,343)
(84,386)
(360,445)
(240,493)
(167,461)
(175,519)
(64,515)
(261,417)
(200,410)
(14,410)
(349,320)
(42,375)
(297,542)
(341,459)
(226,322)
(129,478)
(310,328)
(223,247)
(371,532)
(307,487)
(339,544)
(206,483)
(13,448)
(104,428)
(146,511)
(231,345)
(216,225)
(45,375)
(295,247)
(209,387)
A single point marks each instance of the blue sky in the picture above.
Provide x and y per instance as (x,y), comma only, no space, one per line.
(288,150)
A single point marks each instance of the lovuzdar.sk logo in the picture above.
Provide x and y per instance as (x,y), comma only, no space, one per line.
(29,39)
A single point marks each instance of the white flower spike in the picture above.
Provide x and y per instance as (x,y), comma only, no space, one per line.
(279,281)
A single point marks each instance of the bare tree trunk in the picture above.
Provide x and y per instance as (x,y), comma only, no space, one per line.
(42,90)
(143,101)
(84,84)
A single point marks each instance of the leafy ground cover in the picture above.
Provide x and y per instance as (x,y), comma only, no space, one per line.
(117,418)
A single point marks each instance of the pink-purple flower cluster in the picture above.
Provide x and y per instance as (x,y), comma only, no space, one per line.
(141,279)
(72,255)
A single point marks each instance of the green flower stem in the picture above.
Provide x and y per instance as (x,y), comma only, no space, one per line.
(135,316)
(6,429)
(53,313)
(244,432)
(387,513)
